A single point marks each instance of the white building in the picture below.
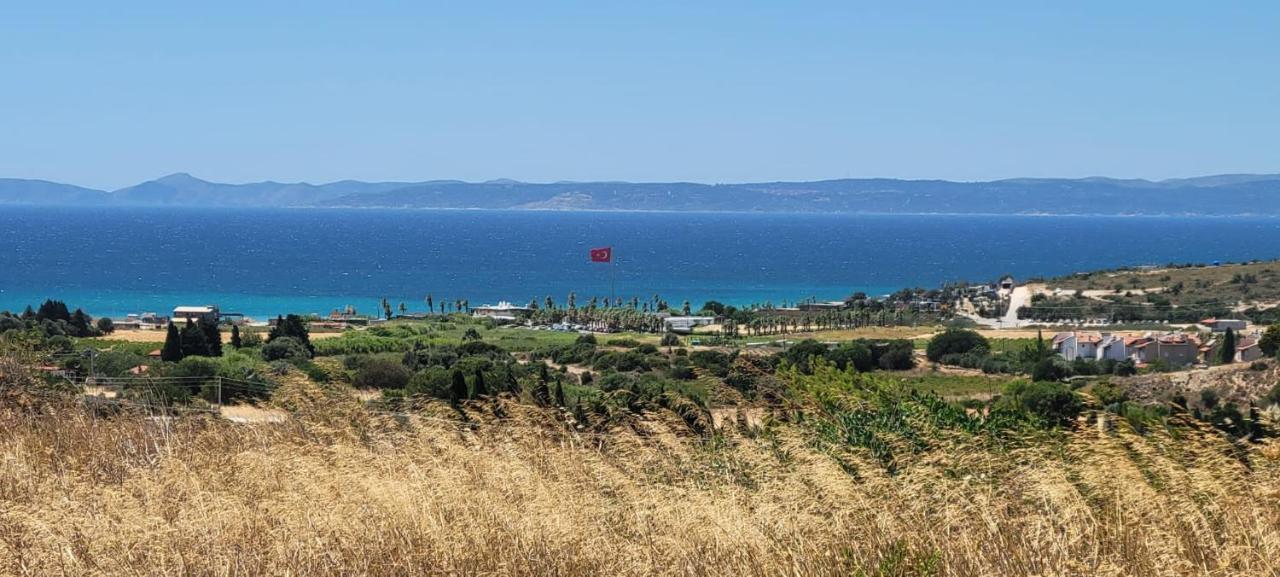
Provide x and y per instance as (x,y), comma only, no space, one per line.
(1077,345)
(503,311)
(686,325)
(204,313)
(1221,325)
(1112,347)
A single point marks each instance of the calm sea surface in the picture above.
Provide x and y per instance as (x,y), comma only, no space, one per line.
(264,262)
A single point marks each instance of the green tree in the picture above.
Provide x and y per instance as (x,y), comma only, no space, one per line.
(1227,354)
(955,341)
(194,342)
(1050,370)
(715,307)
(854,354)
(684,310)
(478,388)
(458,387)
(52,310)
(292,326)
(284,349)
(235,337)
(1270,341)
(559,393)
(81,324)
(106,325)
(212,338)
(172,350)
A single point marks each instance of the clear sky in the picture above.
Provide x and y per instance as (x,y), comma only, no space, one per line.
(106,94)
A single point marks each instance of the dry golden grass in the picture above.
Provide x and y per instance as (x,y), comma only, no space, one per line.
(338,490)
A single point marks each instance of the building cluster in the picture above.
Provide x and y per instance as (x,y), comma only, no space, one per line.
(1173,349)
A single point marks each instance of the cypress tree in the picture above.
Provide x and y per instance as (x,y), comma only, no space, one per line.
(1227,354)
(172,351)
(53,310)
(81,324)
(458,389)
(235,337)
(559,392)
(193,341)
(513,384)
(278,330)
(477,386)
(212,338)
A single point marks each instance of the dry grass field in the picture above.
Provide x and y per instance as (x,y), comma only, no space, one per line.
(338,490)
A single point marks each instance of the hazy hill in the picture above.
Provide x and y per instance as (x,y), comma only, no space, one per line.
(1208,195)
(19,191)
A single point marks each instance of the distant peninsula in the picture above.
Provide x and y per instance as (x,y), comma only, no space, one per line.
(1221,195)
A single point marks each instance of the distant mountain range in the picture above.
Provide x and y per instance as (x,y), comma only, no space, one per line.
(1234,194)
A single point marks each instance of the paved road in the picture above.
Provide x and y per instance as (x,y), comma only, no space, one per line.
(1017,299)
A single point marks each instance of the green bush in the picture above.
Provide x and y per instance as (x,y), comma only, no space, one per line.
(382,374)
(284,349)
(955,342)
(1052,403)
(714,362)
(854,354)
(1109,394)
(432,382)
(897,358)
(1052,370)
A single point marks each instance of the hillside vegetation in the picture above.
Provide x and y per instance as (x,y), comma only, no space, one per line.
(861,476)
(1178,293)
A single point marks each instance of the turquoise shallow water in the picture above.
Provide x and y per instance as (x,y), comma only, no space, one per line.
(266,262)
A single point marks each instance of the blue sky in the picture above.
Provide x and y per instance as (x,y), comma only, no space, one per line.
(108,94)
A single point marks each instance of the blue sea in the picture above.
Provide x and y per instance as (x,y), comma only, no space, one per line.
(265,262)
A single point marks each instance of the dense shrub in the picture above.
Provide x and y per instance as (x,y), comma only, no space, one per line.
(1053,403)
(1052,369)
(623,343)
(955,342)
(854,354)
(895,355)
(1109,394)
(801,354)
(284,349)
(382,374)
(714,362)
(432,382)
(621,361)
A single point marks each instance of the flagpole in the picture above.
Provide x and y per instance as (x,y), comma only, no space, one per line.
(613,275)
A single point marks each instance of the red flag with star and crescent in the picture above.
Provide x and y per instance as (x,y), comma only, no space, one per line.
(603,254)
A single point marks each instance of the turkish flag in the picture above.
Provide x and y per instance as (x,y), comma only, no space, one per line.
(602,254)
